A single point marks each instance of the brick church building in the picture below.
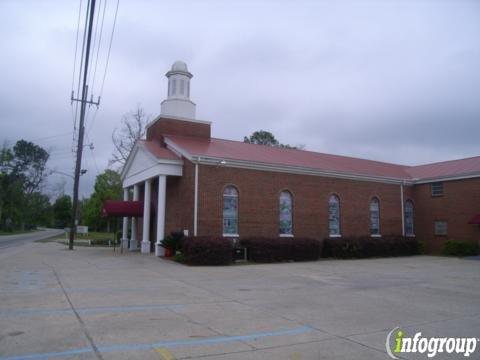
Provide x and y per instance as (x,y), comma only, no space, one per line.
(183,179)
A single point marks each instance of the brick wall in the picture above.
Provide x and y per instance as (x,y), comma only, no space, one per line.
(460,202)
(259,203)
(169,126)
(180,200)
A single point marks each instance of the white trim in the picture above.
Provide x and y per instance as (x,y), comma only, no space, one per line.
(446,178)
(195,202)
(295,170)
(286,235)
(230,235)
(335,235)
(170,117)
(376,235)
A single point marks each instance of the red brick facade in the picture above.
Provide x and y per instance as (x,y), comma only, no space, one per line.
(167,126)
(259,191)
(458,204)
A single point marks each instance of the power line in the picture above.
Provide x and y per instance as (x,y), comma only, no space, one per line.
(99,43)
(95,32)
(106,64)
(76,44)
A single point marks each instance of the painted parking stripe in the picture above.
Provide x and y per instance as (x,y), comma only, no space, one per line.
(84,311)
(164,344)
(165,354)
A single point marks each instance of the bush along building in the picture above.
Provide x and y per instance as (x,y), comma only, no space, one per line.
(180,178)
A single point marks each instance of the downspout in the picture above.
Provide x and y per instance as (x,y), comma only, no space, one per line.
(403,212)
(195,200)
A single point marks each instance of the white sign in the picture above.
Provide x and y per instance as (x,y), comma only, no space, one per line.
(82,230)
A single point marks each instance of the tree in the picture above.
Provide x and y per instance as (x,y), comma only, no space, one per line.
(133,127)
(108,186)
(62,211)
(22,172)
(263,137)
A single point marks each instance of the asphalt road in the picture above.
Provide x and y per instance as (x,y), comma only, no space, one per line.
(20,239)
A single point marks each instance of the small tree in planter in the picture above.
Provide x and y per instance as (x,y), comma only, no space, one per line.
(170,245)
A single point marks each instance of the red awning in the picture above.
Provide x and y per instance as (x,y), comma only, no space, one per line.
(116,208)
(475,220)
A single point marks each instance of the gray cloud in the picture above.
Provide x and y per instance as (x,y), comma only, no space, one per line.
(389,80)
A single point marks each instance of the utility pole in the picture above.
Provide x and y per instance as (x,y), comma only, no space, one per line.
(83,103)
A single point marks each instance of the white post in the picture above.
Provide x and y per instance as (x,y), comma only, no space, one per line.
(133,238)
(162,186)
(125,223)
(195,202)
(146,217)
(403,209)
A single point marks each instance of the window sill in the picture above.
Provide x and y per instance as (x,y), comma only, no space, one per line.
(230,235)
(335,235)
(286,235)
(410,235)
(376,235)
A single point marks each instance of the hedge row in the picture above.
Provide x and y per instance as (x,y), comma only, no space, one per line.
(267,250)
(207,250)
(366,246)
(460,248)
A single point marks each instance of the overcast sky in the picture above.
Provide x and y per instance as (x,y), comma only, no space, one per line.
(396,81)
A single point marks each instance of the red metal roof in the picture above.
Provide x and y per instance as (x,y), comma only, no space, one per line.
(475,220)
(240,151)
(446,168)
(159,151)
(118,208)
(235,150)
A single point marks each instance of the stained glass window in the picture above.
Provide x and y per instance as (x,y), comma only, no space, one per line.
(375,217)
(230,210)
(409,218)
(286,216)
(334,215)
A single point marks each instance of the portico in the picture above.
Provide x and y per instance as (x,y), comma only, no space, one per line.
(148,164)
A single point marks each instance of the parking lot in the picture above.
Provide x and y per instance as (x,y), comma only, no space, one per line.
(94,303)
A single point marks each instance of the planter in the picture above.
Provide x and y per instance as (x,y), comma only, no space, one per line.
(168,252)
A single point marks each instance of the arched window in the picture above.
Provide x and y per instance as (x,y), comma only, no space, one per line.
(174,86)
(334,215)
(230,211)
(375,216)
(409,218)
(286,213)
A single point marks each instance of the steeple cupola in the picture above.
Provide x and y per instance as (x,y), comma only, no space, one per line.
(178,103)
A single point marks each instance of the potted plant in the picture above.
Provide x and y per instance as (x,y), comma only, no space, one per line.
(169,244)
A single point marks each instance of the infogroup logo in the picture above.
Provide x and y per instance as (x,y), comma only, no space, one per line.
(431,346)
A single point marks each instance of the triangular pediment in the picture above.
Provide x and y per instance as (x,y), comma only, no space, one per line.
(142,165)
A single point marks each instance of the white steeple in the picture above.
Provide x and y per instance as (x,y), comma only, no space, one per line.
(178,101)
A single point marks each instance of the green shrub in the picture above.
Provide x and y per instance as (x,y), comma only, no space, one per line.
(268,250)
(460,248)
(367,246)
(207,250)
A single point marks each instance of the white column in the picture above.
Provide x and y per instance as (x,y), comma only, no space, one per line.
(133,238)
(125,223)
(162,186)
(146,217)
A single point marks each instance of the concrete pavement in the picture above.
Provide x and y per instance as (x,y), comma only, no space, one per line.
(92,303)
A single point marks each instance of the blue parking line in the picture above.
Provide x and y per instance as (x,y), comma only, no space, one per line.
(166,344)
(83,311)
